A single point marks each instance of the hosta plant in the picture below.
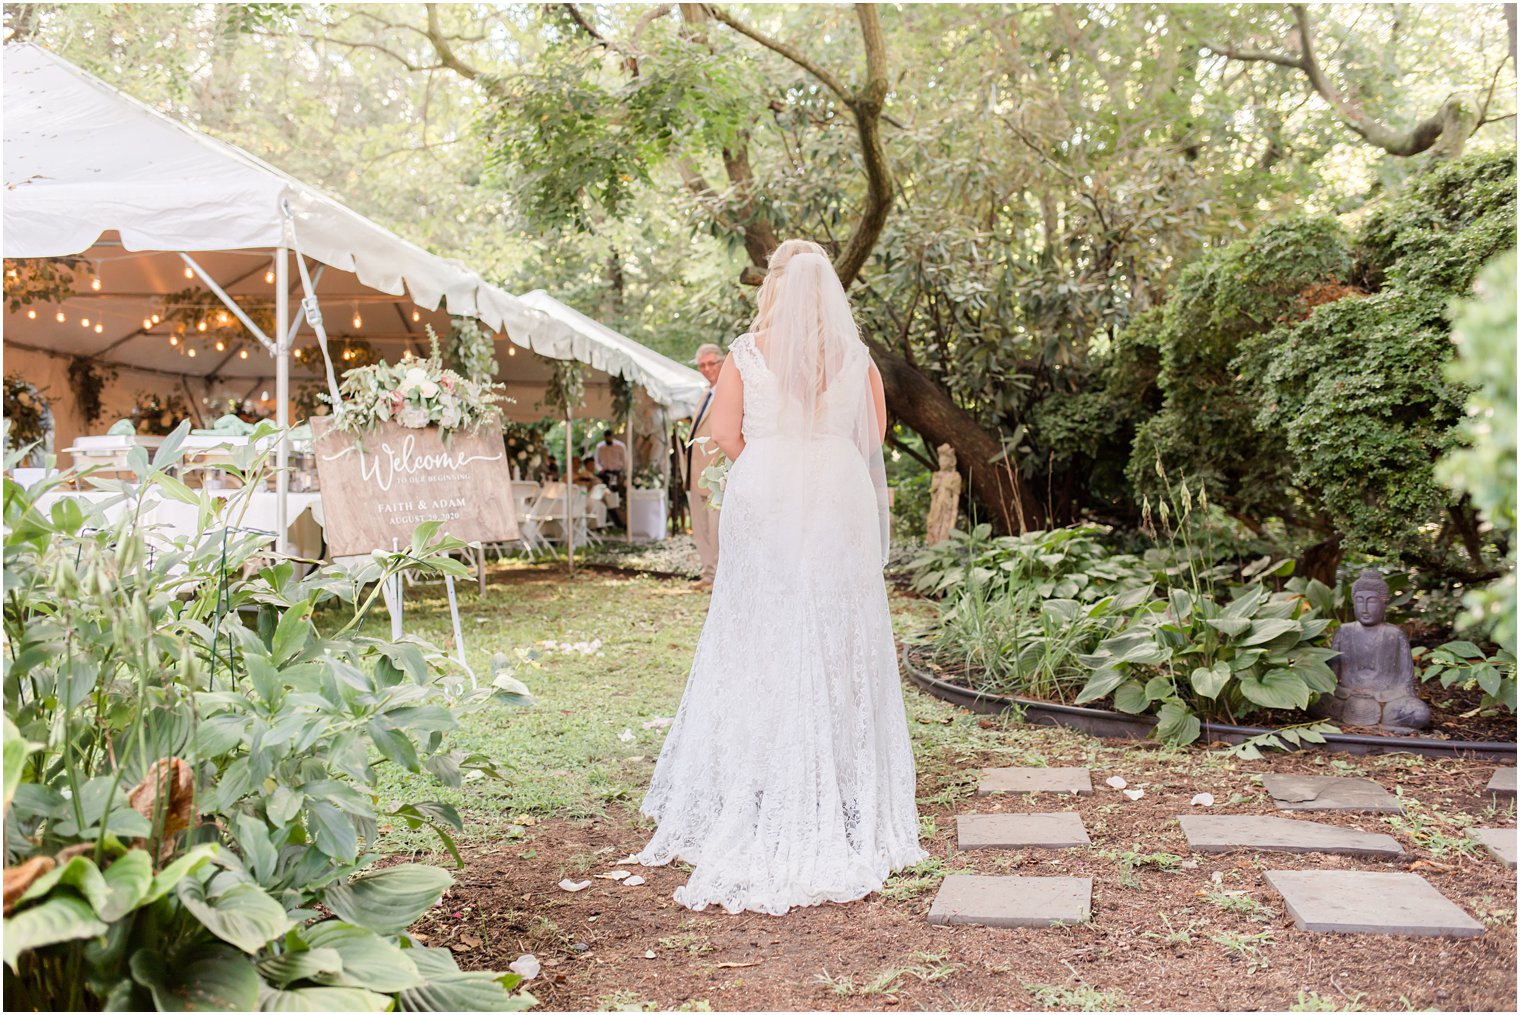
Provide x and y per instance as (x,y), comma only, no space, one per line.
(193,731)
(1190,658)
(1064,563)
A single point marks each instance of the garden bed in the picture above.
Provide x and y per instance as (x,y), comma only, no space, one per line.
(926,675)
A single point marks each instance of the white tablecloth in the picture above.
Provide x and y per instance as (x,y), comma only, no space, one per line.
(174,519)
(646,514)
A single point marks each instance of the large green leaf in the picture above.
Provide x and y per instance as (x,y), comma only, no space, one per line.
(388,901)
(17,748)
(1230,627)
(1210,681)
(1100,684)
(167,879)
(1158,687)
(324,999)
(209,978)
(1245,604)
(369,961)
(332,829)
(64,917)
(288,967)
(1276,689)
(243,915)
(127,880)
(466,992)
(1129,697)
(1176,723)
(1270,629)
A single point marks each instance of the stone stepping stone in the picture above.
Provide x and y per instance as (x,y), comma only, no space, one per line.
(1329,793)
(1020,831)
(1502,786)
(1370,902)
(1035,780)
(1009,901)
(1219,833)
(1499,841)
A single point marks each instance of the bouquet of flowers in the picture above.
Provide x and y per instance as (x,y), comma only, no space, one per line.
(650,477)
(158,415)
(416,393)
(714,477)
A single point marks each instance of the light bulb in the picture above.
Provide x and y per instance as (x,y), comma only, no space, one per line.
(99,328)
(222,318)
(242,354)
(60,317)
(84,322)
(147,324)
(31,315)
(511,350)
(155,318)
(358,321)
(269,277)
(95,284)
(416,315)
(201,326)
(407,355)
(264,396)
(220,345)
(191,351)
(189,273)
(174,340)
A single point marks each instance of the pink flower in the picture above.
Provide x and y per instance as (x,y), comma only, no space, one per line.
(446,382)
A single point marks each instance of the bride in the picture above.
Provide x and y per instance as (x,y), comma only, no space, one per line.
(787,776)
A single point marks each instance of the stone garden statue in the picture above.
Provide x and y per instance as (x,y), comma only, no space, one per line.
(944,498)
(1374,670)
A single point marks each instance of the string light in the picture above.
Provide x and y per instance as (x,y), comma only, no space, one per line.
(269,277)
(407,355)
(189,273)
(511,350)
(95,284)
(416,316)
(201,326)
(31,315)
(84,322)
(264,396)
(147,324)
(99,328)
(190,352)
(61,317)
(222,318)
(155,318)
(242,354)
(221,346)
(174,340)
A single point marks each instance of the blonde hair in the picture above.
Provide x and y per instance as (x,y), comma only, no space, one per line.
(775,265)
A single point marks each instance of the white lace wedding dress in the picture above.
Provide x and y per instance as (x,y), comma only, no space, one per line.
(787,776)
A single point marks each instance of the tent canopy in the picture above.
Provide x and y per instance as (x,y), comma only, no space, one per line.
(92,172)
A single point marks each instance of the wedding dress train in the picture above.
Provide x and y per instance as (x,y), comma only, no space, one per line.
(787,777)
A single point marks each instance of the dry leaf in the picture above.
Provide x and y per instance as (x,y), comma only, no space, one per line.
(166,794)
(735,965)
(19,879)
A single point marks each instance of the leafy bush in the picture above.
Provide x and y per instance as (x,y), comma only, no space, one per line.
(1485,469)
(1065,563)
(191,742)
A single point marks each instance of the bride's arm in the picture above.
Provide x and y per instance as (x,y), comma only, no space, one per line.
(728,411)
(879,400)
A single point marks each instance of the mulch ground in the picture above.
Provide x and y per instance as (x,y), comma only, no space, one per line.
(1173,939)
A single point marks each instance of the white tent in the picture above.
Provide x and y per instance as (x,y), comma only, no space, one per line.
(151,206)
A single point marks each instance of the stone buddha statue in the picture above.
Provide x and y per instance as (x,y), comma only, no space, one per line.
(1374,670)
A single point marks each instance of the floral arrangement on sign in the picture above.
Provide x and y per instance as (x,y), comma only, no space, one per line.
(158,415)
(416,393)
(27,413)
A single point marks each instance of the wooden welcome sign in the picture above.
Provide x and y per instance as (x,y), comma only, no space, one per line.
(378,487)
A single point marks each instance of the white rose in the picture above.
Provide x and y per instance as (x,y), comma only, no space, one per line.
(428,388)
(416,377)
(413,417)
(450,417)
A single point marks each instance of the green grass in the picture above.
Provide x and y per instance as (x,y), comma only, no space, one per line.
(925,967)
(1082,997)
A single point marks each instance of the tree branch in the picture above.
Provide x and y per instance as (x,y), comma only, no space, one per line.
(777,46)
(445,51)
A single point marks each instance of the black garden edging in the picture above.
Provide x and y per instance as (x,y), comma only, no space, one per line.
(1099,722)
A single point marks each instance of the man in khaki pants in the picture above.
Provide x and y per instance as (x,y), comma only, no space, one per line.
(694,458)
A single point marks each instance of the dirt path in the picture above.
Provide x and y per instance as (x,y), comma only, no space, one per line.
(1207,934)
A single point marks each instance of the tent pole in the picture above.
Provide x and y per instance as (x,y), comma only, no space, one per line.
(282,395)
(567,474)
(628,472)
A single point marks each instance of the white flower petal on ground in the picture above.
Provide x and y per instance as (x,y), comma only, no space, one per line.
(634,881)
(630,858)
(526,966)
(1134,794)
(616,875)
(1116,781)
(626,736)
(659,722)
(574,886)
(1203,800)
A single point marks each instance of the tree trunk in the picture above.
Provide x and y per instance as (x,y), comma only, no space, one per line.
(1322,560)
